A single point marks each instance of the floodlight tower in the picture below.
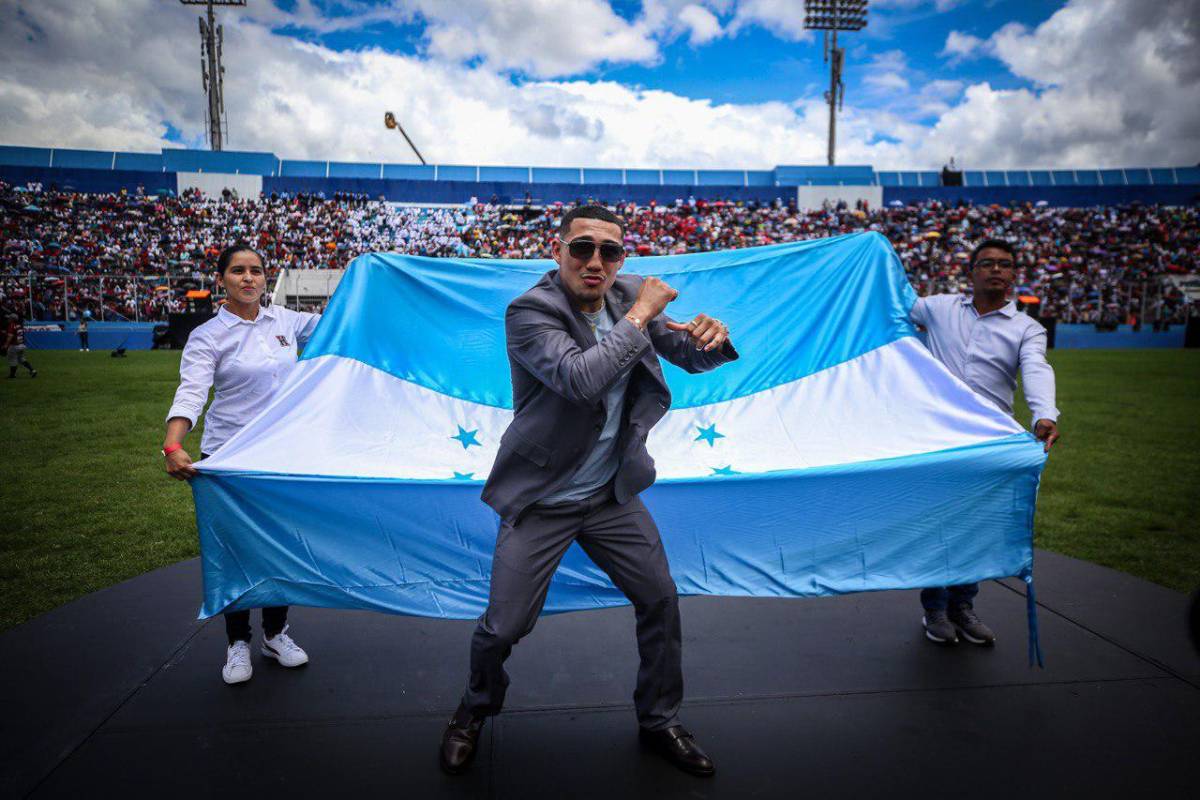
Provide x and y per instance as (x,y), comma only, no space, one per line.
(832,16)
(211,71)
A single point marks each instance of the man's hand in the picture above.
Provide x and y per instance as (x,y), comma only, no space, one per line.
(652,298)
(706,332)
(1046,431)
(179,465)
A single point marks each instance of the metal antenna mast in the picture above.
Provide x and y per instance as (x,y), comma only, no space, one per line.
(832,16)
(211,71)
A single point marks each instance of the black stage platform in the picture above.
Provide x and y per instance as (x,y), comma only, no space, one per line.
(120,694)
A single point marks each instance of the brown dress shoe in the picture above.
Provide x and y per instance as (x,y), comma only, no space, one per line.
(459,740)
(676,745)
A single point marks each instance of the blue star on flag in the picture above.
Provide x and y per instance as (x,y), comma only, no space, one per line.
(467,437)
(709,435)
(463,476)
(725,470)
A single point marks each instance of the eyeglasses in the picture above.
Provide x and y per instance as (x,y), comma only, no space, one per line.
(995,263)
(582,249)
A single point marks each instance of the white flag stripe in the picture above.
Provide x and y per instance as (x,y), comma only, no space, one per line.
(893,401)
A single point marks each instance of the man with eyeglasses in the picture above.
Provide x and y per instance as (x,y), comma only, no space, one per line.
(583,345)
(984,341)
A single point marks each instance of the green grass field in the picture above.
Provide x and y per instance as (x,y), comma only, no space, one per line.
(86,503)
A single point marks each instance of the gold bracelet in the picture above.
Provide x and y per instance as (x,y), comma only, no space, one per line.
(637,323)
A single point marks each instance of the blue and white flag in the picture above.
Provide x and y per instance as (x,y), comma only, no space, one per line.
(836,455)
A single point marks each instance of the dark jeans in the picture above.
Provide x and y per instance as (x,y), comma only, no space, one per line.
(237,623)
(946,596)
(623,541)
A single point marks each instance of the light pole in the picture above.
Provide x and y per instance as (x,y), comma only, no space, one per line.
(832,16)
(391,123)
(211,71)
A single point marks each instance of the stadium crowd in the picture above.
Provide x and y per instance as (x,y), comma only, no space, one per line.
(135,256)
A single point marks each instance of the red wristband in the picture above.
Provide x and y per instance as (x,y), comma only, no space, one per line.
(171,448)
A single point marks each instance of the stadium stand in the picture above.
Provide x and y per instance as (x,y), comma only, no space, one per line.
(123,237)
(130,256)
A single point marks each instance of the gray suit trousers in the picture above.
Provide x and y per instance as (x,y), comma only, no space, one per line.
(623,541)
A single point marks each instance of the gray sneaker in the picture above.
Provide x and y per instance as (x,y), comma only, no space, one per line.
(964,619)
(938,627)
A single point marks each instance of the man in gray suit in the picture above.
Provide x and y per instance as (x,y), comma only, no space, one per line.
(583,345)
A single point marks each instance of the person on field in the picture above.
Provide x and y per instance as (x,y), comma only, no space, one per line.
(14,346)
(984,341)
(584,345)
(83,332)
(243,353)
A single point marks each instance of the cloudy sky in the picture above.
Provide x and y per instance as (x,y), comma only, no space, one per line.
(621,83)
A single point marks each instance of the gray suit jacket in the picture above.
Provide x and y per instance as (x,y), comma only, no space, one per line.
(560,376)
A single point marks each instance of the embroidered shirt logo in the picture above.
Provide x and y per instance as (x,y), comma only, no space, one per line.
(283,342)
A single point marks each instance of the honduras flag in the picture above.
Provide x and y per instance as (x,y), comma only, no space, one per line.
(836,455)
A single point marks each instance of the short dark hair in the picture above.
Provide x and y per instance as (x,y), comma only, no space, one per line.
(991,244)
(589,212)
(229,252)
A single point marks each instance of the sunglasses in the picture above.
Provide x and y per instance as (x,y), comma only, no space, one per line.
(582,249)
(994,263)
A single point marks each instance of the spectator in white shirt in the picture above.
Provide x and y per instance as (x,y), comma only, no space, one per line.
(244,353)
(984,341)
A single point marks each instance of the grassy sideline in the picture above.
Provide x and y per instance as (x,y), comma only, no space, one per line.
(86,503)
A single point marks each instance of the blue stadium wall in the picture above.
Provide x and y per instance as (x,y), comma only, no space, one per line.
(61,335)
(90,181)
(112,171)
(1064,196)
(417,191)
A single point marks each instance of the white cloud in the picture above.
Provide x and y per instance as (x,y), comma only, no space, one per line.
(943,88)
(890,61)
(938,5)
(307,15)
(535,36)
(886,81)
(542,38)
(1115,84)
(702,24)
(1118,84)
(886,73)
(783,18)
(75,86)
(961,45)
(699,20)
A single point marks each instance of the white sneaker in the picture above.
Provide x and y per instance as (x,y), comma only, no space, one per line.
(281,648)
(237,667)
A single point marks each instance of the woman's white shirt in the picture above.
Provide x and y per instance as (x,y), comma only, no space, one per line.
(244,361)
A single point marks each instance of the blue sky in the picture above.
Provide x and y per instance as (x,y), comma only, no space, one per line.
(623,83)
(756,64)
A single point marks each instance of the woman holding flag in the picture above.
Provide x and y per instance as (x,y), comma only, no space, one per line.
(243,354)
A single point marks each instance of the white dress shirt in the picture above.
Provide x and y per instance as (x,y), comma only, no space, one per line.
(986,351)
(244,361)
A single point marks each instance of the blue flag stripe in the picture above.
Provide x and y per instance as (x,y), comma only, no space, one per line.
(793,310)
(425,548)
